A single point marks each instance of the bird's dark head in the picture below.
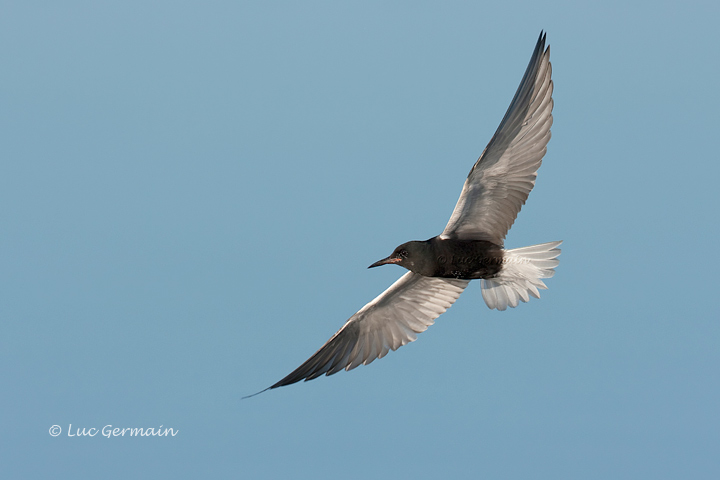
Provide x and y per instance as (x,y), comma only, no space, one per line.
(406,255)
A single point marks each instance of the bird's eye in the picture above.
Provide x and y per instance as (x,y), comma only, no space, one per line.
(403,253)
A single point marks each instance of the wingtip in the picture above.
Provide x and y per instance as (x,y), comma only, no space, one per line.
(254,394)
(544,41)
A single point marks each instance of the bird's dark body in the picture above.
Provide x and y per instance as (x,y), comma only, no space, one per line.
(450,258)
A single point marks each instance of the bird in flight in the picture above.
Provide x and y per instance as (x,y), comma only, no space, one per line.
(471,246)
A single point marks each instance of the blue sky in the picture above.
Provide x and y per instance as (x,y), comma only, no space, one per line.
(191,193)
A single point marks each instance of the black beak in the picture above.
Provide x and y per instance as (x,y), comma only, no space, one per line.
(386,261)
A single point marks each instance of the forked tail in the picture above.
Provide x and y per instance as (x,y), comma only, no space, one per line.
(521,275)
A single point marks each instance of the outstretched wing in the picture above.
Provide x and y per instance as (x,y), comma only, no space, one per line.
(501,179)
(390,321)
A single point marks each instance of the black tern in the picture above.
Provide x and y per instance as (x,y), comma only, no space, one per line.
(470,247)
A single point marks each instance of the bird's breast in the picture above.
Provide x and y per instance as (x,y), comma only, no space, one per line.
(466,259)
